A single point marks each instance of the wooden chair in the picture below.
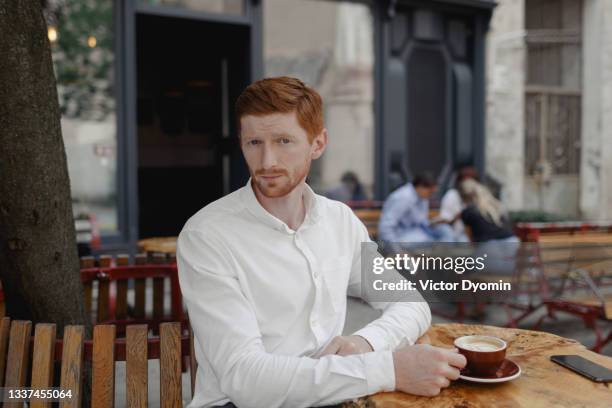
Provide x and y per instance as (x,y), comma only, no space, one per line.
(18,348)
(581,285)
(591,309)
(113,277)
(570,263)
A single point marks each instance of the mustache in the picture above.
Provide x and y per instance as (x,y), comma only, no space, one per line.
(271,172)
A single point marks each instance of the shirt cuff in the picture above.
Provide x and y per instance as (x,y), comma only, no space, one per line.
(374,337)
(380,372)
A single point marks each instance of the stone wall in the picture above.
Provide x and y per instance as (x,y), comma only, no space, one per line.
(505,100)
(329,46)
(505,149)
(596,168)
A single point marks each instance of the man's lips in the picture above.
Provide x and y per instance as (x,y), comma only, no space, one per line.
(270,176)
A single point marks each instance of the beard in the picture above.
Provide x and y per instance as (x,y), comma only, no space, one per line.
(279,186)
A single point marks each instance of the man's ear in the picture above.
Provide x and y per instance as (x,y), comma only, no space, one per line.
(319,143)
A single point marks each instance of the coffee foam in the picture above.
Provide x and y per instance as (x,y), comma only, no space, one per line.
(480,343)
(481,346)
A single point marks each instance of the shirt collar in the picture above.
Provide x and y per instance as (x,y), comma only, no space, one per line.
(311,202)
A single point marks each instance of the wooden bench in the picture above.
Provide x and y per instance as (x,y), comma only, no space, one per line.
(112,279)
(18,348)
(370,218)
(563,257)
(531,231)
(559,267)
(582,282)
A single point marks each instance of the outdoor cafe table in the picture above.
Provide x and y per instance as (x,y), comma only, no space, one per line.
(541,384)
(166,245)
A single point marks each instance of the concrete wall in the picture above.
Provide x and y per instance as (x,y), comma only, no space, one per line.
(596,166)
(505,100)
(589,195)
(558,195)
(329,46)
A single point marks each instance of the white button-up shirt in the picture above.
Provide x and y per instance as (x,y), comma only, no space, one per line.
(264,300)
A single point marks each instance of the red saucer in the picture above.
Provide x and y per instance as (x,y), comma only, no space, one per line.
(508,370)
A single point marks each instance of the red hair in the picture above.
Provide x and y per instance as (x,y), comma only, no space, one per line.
(283,95)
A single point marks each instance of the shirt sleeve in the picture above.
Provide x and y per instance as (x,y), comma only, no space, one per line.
(225,326)
(401,323)
(394,209)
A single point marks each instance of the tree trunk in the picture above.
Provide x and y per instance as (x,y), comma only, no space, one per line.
(39,265)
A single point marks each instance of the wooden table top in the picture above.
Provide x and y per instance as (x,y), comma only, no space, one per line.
(541,384)
(166,245)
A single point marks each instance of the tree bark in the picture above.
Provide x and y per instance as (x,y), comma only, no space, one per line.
(39,266)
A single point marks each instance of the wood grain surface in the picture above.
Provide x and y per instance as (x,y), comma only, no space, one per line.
(103,384)
(17,358)
(166,245)
(170,365)
(42,361)
(542,383)
(5,328)
(121,310)
(136,365)
(72,365)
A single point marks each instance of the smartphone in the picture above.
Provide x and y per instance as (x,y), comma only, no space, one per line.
(587,368)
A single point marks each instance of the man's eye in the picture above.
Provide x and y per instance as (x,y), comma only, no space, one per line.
(285,141)
(253,142)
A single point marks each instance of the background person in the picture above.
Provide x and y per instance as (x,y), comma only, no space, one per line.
(484,214)
(265,272)
(405,214)
(490,227)
(451,204)
(350,189)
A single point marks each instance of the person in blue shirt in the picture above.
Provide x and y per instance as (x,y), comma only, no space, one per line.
(405,214)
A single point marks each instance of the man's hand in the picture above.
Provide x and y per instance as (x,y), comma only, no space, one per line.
(347,345)
(424,370)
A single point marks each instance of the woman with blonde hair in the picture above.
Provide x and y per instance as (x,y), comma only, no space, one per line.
(484,214)
(488,222)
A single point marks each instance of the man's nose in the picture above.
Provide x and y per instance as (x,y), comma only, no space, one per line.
(268,157)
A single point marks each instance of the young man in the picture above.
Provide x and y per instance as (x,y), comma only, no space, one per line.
(265,272)
(405,214)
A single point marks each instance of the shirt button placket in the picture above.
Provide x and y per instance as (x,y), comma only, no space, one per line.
(314,320)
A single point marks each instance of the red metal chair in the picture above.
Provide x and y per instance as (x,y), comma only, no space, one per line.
(113,278)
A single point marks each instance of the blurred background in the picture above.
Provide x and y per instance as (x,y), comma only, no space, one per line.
(521,89)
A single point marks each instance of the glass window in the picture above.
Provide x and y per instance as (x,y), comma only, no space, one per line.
(330,46)
(81,36)
(210,6)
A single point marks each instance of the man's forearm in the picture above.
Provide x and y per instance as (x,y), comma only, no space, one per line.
(261,379)
(401,321)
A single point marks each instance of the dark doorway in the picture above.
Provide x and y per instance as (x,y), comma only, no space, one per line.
(189,73)
(430,106)
(426,139)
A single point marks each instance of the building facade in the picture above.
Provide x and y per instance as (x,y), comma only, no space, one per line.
(147,88)
(549,97)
